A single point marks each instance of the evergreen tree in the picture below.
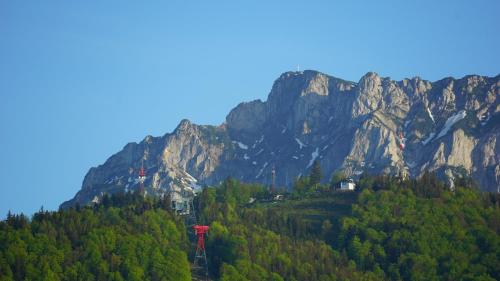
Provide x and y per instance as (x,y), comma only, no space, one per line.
(337,177)
(316,175)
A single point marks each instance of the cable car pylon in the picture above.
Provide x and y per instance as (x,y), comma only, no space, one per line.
(201,254)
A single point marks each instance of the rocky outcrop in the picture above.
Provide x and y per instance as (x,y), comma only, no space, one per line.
(449,126)
(247,117)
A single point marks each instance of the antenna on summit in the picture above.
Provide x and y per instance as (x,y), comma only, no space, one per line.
(298,68)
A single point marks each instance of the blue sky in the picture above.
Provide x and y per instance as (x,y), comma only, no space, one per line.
(80,79)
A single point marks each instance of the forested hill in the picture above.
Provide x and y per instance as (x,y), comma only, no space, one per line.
(124,238)
(389,229)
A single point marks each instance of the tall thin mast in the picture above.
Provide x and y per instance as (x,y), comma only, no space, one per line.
(142,178)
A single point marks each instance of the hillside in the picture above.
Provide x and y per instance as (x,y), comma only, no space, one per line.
(124,238)
(395,230)
(389,229)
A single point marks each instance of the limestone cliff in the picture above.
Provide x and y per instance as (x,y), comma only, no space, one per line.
(450,126)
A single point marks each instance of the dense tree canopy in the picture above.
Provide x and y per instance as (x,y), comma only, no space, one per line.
(389,229)
(454,236)
(125,238)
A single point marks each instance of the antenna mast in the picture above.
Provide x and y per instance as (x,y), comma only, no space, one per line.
(273,179)
(142,178)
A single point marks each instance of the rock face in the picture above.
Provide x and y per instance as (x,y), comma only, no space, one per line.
(450,126)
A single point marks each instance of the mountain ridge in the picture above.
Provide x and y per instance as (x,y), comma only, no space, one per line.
(450,126)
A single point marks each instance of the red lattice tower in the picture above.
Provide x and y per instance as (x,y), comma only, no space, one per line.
(200,231)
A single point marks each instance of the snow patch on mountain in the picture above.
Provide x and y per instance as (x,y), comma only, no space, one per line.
(314,155)
(241,145)
(450,122)
(430,114)
(428,139)
(301,144)
(261,170)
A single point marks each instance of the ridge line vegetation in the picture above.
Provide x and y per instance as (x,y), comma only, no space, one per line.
(389,229)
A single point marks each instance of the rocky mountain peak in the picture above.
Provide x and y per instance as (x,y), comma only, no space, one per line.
(293,85)
(377,125)
(247,117)
(369,77)
(317,85)
(371,82)
(184,125)
(368,95)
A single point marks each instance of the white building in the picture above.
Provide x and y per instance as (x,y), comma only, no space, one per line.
(347,184)
(278,197)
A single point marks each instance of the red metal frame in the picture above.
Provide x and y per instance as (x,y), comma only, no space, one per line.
(200,231)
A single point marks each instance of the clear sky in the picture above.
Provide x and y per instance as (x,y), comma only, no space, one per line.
(80,79)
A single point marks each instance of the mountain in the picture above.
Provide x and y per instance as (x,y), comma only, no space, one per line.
(450,126)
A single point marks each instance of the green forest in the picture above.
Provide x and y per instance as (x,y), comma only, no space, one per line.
(388,229)
(124,238)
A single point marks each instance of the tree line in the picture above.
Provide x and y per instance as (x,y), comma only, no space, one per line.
(388,229)
(126,237)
